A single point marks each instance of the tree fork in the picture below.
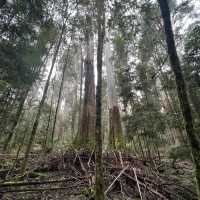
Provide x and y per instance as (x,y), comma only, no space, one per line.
(181,90)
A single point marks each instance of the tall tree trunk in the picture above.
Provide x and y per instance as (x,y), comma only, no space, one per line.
(80,95)
(87,126)
(74,112)
(35,125)
(59,95)
(48,126)
(99,192)
(115,127)
(181,89)
(75,97)
(17,117)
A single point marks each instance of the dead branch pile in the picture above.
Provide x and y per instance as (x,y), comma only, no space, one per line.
(71,176)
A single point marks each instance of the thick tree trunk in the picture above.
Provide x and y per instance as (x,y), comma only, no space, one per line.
(99,192)
(181,89)
(115,128)
(35,125)
(87,126)
(80,95)
(115,131)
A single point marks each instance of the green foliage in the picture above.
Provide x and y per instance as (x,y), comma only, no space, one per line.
(79,144)
(25,32)
(119,42)
(192,50)
(3,85)
(124,86)
(21,62)
(88,192)
(180,152)
(38,175)
(144,118)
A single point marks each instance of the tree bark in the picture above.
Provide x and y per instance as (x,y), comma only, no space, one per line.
(35,125)
(87,126)
(80,95)
(181,90)
(75,97)
(115,127)
(99,192)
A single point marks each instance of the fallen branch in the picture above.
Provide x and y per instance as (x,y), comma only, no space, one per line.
(116,178)
(145,186)
(16,184)
(134,170)
(41,189)
(121,159)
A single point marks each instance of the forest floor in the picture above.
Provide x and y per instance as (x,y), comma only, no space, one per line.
(70,176)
